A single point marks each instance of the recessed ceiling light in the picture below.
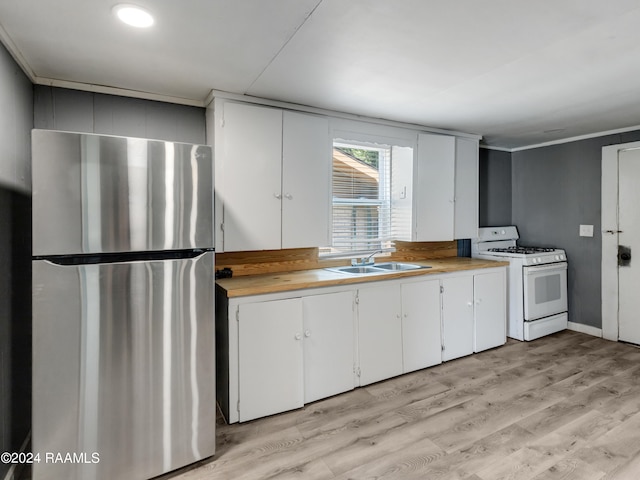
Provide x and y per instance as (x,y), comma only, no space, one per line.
(133,15)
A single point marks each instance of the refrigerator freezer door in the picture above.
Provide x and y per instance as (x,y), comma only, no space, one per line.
(123,367)
(102,194)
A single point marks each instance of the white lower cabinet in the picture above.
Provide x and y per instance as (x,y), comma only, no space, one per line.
(457,317)
(490,310)
(399,329)
(270,366)
(328,345)
(421,336)
(280,352)
(473,313)
(379,333)
(293,351)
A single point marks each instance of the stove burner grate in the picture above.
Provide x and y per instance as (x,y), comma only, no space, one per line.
(523,250)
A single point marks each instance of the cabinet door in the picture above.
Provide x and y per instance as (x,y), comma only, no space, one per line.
(466,189)
(251,171)
(457,317)
(306,181)
(490,310)
(328,345)
(379,333)
(434,191)
(270,358)
(421,340)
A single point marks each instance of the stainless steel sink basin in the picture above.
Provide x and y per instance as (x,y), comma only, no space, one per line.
(378,268)
(395,266)
(360,270)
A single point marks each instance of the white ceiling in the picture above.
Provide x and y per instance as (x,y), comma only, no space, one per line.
(514,71)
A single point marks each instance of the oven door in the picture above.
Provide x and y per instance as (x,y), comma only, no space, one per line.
(545,290)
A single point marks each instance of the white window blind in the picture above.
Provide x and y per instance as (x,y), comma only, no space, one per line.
(361,205)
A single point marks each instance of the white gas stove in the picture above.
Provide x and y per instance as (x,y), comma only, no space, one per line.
(537,282)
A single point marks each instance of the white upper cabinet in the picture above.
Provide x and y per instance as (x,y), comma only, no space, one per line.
(249,175)
(466,210)
(434,188)
(273,178)
(306,181)
(445,205)
(273,172)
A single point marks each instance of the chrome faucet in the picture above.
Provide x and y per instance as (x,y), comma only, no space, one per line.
(368,260)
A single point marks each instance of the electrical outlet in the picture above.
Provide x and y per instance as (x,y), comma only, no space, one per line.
(586,230)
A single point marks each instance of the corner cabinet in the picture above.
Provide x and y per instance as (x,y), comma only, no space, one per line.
(273,178)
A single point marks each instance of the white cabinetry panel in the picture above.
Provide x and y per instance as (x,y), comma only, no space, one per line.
(490,310)
(270,357)
(306,181)
(421,340)
(466,189)
(251,177)
(273,178)
(434,190)
(328,345)
(457,317)
(379,333)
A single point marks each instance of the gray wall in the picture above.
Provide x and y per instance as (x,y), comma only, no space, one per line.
(16,121)
(495,188)
(78,111)
(555,189)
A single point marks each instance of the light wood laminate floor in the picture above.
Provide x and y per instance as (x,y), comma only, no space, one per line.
(565,406)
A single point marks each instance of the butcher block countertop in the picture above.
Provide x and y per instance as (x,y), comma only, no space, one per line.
(281,282)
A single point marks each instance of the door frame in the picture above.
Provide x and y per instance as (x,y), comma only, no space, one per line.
(609,223)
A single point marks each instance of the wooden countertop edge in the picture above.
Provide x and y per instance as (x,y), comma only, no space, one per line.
(283,282)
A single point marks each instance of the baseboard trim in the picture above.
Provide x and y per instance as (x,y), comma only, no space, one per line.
(588,329)
(15,470)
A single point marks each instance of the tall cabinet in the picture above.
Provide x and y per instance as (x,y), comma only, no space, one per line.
(273,178)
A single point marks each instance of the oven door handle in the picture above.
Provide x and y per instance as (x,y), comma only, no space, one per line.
(544,268)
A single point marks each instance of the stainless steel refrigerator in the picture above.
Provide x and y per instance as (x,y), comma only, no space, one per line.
(123,306)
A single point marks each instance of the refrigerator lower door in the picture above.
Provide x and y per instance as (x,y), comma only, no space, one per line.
(123,368)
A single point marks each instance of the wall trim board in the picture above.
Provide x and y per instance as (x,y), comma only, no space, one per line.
(499,149)
(588,329)
(565,140)
(88,87)
(122,92)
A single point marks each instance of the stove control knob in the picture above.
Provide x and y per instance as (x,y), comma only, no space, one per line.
(562,257)
(539,260)
(533,260)
(557,257)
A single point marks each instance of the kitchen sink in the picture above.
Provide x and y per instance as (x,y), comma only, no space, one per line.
(358,270)
(399,267)
(376,268)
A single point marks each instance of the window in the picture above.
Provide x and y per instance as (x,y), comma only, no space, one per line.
(361,205)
